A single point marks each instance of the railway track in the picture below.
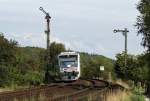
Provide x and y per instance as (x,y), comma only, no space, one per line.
(22,93)
(55,92)
(95,85)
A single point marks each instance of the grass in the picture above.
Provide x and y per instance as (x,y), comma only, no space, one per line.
(137,98)
(118,96)
(135,94)
(125,96)
(5,89)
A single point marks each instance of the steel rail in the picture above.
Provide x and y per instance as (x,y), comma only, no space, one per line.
(84,92)
(49,91)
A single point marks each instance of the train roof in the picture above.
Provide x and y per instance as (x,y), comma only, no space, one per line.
(68,53)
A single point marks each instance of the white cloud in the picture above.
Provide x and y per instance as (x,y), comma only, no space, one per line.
(82,25)
(27,39)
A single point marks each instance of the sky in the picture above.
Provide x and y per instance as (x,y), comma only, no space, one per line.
(82,25)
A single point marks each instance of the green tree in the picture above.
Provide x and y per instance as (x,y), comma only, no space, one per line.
(90,65)
(30,62)
(7,59)
(55,49)
(136,69)
(143,22)
(52,71)
(143,26)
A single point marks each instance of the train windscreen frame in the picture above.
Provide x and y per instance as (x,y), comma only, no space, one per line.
(67,61)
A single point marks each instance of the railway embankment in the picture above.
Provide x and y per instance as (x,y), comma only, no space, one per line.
(86,90)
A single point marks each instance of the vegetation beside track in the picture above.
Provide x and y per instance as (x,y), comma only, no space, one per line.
(25,66)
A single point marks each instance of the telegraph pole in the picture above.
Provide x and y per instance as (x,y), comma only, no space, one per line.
(124,32)
(47,32)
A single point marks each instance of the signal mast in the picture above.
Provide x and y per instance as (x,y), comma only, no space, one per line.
(47,32)
(124,32)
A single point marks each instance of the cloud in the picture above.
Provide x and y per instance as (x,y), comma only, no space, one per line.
(27,39)
(34,39)
(84,47)
(82,25)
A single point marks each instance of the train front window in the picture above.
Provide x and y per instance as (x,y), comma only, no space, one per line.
(67,61)
(67,64)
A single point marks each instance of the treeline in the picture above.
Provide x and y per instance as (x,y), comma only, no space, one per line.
(23,66)
(90,66)
(18,65)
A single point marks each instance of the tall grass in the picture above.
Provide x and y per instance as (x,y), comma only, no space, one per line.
(137,98)
(124,96)
(118,96)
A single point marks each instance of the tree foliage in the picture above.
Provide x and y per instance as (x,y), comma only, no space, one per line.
(136,70)
(143,22)
(90,65)
(52,70)
(27,65)
(8,50)
(143,26)
(55,49)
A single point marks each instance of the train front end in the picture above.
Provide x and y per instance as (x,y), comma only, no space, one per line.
(69,64)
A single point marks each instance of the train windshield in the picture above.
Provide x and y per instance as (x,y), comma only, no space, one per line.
(67,64)
(67,61)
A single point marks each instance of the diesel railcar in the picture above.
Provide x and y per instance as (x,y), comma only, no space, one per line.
(69,65)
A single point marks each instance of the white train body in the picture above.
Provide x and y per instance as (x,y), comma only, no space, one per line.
(69,64)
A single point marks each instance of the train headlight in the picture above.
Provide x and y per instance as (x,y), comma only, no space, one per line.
(68,66)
